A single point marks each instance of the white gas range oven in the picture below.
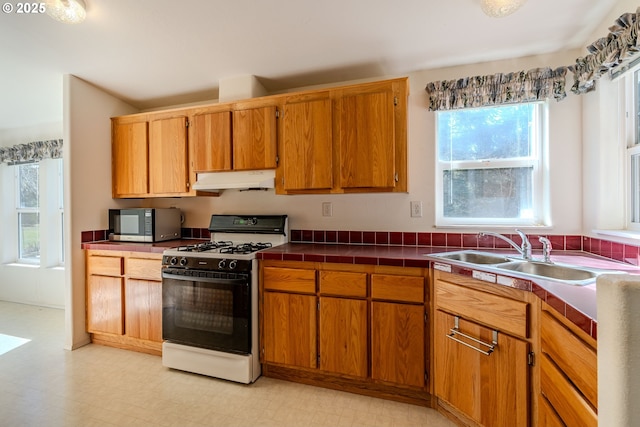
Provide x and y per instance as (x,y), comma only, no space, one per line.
(210,298)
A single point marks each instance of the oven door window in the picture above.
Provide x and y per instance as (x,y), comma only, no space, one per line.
(209,313)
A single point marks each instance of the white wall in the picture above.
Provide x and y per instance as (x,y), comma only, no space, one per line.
(87,186)
(604,146)
(390,212)
(39,285)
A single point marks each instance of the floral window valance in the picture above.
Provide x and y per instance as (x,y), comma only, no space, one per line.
(620,46)
(32,151)
(496,89)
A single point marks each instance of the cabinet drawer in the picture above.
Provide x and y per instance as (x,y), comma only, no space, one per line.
(142,268)
(569,404)
(498,312)
(343,283)
(289,280)
(105,265)
(397,288)
(571,355)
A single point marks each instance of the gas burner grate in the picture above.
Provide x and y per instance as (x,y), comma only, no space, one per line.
(244,248)
(206,246)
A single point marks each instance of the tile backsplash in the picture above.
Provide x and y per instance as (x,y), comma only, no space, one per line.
(605,248)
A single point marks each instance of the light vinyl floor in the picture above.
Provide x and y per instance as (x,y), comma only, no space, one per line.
(41,384)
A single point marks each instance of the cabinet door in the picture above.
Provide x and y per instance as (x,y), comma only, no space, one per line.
(212,142)
(289,329)
(254,138)
(343,336)
(398,343)
(130,162)
(105,304)
(168,160)
(306,148)
(367,139)
(547,416)
(568,371)
(143,308)
(490,389)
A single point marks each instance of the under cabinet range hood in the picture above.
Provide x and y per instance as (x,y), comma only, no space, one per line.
(239,180)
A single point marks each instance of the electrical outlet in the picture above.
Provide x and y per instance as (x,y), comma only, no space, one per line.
(327,209)
(416,209)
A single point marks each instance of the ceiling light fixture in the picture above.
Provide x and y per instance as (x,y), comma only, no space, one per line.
(66,11)
(500,8)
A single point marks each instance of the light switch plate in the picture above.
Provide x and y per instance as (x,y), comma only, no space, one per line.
(327,209)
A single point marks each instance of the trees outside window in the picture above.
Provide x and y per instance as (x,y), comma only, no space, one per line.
(491,165)
(28,208)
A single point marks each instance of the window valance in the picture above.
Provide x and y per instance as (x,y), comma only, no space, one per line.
(481,91)
(605,54)
(32,151)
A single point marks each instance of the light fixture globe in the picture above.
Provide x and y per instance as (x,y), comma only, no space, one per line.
(500,8)
(66,11)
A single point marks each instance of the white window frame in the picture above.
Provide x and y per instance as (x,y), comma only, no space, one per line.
(631,132)
(51,214)
(19,212)
(538,160)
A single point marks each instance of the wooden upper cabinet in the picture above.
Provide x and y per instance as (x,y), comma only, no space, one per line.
(366,134)
(130,162)
(254,138)
(212,142)
(168,156)
(306,147)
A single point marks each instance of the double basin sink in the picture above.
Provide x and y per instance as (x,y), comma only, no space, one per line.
(550,271)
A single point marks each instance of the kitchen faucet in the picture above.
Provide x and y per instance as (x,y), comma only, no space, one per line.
(524,250)
(546,249)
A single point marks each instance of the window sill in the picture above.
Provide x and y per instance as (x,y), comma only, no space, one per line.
(623,234)
(22,264)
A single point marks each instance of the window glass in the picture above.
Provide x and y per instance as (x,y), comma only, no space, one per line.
(28,212)
(490,165)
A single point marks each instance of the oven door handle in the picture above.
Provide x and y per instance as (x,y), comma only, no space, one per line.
(218,280)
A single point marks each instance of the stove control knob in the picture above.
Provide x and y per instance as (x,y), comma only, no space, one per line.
(173,261)
(222,263)
(233,263)
(183,261)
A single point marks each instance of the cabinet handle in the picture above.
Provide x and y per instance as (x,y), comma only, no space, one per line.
(455,331)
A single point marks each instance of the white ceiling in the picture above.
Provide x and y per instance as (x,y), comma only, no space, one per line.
(153,53)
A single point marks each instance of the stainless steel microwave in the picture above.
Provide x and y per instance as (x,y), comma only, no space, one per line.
(145,224)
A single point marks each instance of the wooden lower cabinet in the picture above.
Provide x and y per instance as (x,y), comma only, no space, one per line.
(343,336)
(491,389)
(568,372)
(289,325)
(105,304)
(398,343)
(124,299)
(143,312)
(482,348)
(321,325)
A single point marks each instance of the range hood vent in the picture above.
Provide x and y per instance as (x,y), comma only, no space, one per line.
(239,180)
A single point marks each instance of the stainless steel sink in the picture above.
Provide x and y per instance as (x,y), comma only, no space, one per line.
(553,271)
(497,264)
(474,257)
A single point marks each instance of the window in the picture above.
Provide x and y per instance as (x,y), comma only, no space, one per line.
(633,152)
(34,213)
(28,210)
(490,165)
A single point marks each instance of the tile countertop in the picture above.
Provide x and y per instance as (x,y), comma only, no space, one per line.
(578,303)
(158,247)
